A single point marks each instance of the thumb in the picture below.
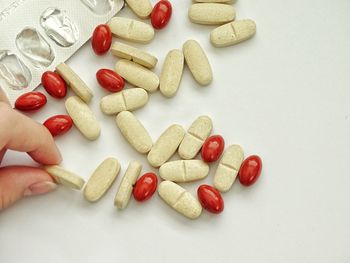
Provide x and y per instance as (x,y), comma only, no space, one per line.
(21,181)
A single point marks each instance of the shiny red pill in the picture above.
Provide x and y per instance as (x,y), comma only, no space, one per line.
(30,101)
(101,39)
(58,124)
(250,170)
(212,148)
(110,80)
(161,14)
(210,199)
(54,84)
(145,187)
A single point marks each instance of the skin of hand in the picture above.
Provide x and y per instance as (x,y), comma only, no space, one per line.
(20,133)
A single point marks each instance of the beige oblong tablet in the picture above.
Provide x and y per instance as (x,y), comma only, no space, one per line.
(233,33)
(75,82)
(137,75)
(171,74)
(126,186)
(141,8)
(228,168)
(132,30)
(128,99)
(197,62)
(179,199)
(166,145)
(183,171)
(211,13)
(62,176)
(134,54)
(84,119)
(134,132)
(195,137)
(102,179)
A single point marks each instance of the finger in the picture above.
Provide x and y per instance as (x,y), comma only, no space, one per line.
(3,96)
(20,181)
(2,153)
(20,133)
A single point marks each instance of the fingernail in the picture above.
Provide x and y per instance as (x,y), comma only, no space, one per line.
(40,188)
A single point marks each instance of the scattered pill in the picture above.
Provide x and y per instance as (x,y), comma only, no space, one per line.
(126,186)
(145,187)
(83,118)
(101,39)
(250,170)
(64,177)
(141,8)
(212,148)
(58,124)
(110,80)
(179,199)
(210,199)
(54,84)
(134,132)
(161,14)
(197,62)
(195,137)
(30,101)
(166,145)
(233,33)
(211,13)
(183,171)
(228,167)
(137,75)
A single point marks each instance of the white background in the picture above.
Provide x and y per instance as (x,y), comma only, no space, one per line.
(283,95)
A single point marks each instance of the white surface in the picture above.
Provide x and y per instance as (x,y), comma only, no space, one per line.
(283,95)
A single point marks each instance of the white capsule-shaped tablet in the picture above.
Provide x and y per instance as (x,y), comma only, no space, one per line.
(233,33)
(171,74)
(166,145)
(141,8)
(64,177)
(74,82)
(137,75)
(132,30)
(128,99)
(134,54)
(211,13)
(228,168)
(179,199)
(84,119)
(126,186)
(134,132)
(198,63)
(183,171)
(195,137)
(101,180)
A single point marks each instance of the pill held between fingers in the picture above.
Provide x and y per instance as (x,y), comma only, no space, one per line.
(134,54)
(211,13)
(233,33)
(74,82)
(131,30)
(141,8)
(171,73)
(83,118)
(179,199)
(129,99)
(228,168)
(101,180)
(65,177)
(126,186)
(182,171)
(198,63)
(195,137)
(137,75)
(134,132)
(166,145)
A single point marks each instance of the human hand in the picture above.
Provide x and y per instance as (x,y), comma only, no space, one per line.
(20,133)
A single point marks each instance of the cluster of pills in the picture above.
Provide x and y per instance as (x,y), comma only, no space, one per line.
(135,67)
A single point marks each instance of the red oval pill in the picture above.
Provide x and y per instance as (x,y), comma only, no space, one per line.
(250,170)
(54,84)
(210,198)
(212,148)
(30,101)
(101,39)
(110,80)
(58,124)
(145,187)
(161,14)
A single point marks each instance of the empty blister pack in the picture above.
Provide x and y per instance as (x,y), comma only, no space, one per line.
(38,35)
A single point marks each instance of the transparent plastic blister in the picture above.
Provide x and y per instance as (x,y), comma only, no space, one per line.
(38,35)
